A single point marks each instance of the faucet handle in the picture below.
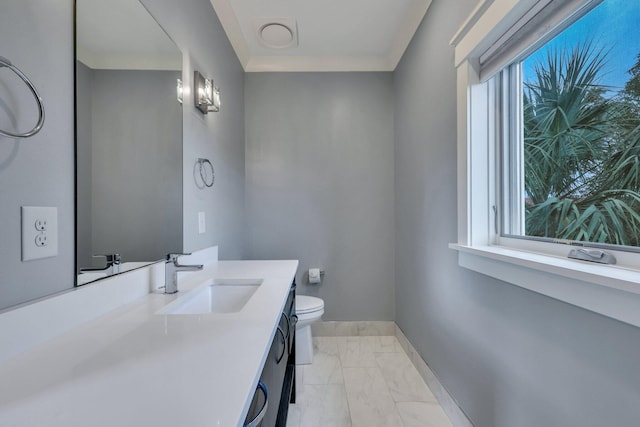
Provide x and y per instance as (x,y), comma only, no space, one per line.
(173,256)
(109,258)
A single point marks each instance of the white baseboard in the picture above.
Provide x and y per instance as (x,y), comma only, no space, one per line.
(353,329)
(447,402)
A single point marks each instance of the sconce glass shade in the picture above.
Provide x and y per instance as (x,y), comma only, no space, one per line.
(200,92)
(179,91)
(207,96)
(208,91)
(216,100)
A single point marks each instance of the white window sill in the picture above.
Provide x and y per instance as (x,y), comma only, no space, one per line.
(612,291)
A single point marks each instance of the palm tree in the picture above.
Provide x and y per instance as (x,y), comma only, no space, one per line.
(582,162)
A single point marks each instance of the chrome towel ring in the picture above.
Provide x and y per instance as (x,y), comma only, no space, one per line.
(203,172)
(4,62)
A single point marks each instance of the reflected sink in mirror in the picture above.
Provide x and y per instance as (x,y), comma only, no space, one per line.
(216,296)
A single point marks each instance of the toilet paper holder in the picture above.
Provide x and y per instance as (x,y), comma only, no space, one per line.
(315,275)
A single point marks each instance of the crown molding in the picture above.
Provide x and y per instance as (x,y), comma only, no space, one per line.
(414,17)
(318,64)
(231,26)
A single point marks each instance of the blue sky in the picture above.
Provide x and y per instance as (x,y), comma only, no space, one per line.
(613,25)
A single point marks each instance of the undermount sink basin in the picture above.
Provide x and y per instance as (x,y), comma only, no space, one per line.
(216,296)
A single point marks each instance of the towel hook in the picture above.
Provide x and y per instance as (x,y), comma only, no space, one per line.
(4,62)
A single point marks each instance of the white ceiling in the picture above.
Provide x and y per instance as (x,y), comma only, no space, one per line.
(332,35)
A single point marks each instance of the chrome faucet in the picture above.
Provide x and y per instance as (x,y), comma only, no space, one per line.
(171,268)
(112,264)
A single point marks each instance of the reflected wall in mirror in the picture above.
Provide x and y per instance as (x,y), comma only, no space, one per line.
(128,138)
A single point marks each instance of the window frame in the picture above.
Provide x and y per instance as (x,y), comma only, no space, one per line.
(510,120)
(540,266)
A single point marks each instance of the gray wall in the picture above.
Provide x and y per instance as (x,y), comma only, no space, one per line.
(195,28)
(319,174)
(38,171)
(136,166)
(512,358)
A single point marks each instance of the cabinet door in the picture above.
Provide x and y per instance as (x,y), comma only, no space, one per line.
(290,313)
(279,367)
(288,394)
(273,375)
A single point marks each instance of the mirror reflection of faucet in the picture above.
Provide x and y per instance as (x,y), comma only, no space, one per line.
(171,269)
(112,266)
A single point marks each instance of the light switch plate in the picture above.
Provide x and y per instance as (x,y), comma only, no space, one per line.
(39,232)
(202,227)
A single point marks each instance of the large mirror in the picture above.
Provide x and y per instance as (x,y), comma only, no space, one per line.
(128,139)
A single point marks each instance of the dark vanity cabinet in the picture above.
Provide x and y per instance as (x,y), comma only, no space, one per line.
(289,383)
(276,388)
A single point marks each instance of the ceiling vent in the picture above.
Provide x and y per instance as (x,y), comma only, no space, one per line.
(276,33)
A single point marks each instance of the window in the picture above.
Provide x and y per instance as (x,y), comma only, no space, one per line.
(532,175)
(571,143)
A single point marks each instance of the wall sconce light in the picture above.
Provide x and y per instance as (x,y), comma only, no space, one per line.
(179,90)
(207,95)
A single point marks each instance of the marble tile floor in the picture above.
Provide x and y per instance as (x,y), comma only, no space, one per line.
(362,381)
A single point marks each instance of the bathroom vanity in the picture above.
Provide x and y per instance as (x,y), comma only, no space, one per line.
(144,364)
(276,389)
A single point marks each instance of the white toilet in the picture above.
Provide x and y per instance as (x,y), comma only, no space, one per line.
(309,310)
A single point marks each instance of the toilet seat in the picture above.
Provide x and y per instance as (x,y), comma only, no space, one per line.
(307,304)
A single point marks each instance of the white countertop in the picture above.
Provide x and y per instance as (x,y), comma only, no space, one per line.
(133,367)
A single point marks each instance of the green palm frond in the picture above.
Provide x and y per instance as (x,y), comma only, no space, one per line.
(613,219)
(582,152)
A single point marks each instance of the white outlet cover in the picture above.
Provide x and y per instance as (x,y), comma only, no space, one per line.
(30,216)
